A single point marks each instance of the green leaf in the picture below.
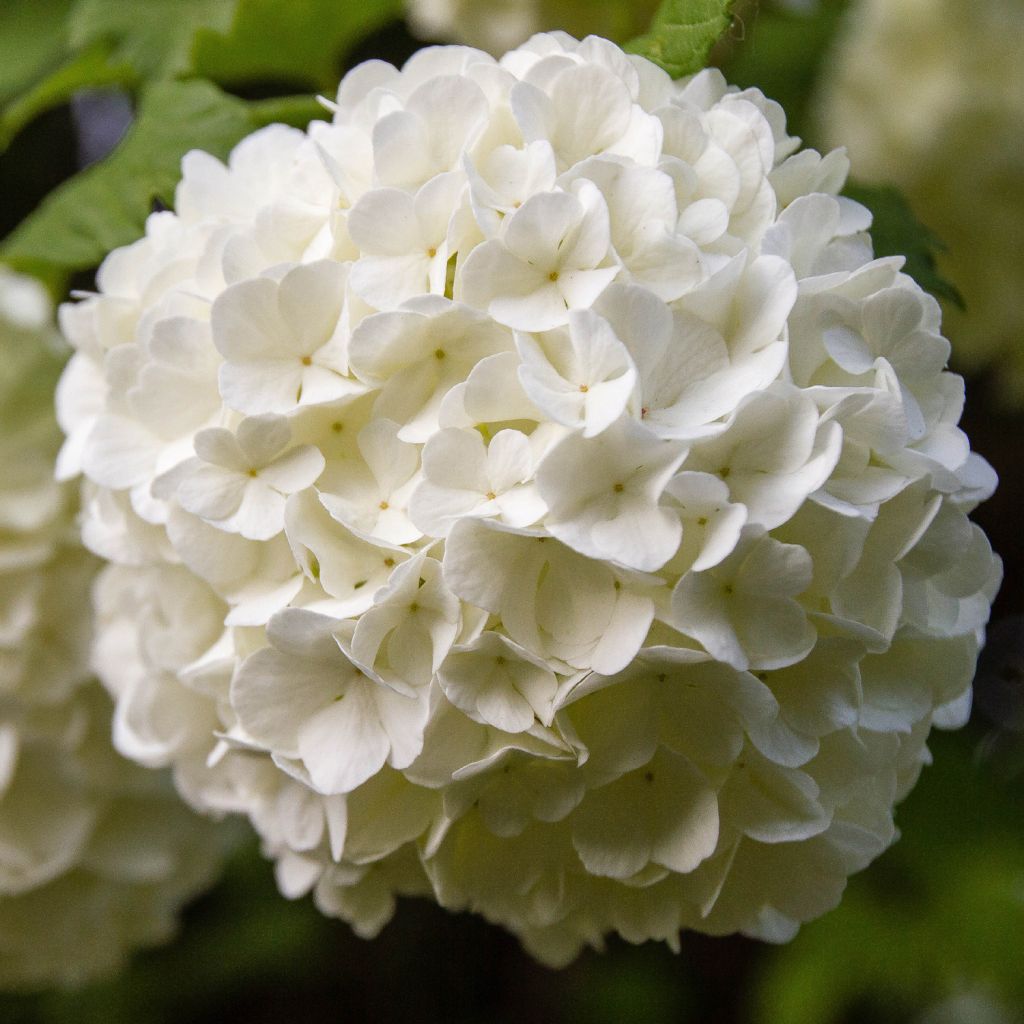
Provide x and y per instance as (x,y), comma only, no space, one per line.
(88,69)
(155,37)
(300,41)
(106,205)
(682,34)
(896,231)
(30,42)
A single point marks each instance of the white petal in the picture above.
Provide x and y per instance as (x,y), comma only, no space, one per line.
(344,744)
(211,492)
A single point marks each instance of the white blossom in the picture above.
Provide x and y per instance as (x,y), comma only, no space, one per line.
(548,261)
(603,495)
(306,700)
(242,479)
(371,494)
(743,610)
(404,241)
(582,377)
(463,476)
(279,340)
(497,682)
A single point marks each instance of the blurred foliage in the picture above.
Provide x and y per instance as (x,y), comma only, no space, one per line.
(29,46)
(89,69)
(40,159)
(152,37)
(682,34)
(299,42)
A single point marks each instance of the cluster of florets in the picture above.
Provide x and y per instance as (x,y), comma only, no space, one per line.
(527,490)
(96,855)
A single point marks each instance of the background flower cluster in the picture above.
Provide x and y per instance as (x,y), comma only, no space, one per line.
(86,837)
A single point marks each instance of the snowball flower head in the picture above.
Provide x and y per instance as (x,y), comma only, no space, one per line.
(527,490)
(96,855)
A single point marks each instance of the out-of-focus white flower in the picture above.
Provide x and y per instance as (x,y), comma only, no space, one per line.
(571,523)
(929,94)
(97,856)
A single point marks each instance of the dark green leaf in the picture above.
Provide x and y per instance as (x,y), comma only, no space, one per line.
(896,231)
(682,34)
(300,41)
(106,205)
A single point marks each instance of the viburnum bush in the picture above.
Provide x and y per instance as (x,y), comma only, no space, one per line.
(96,855)
(528,491)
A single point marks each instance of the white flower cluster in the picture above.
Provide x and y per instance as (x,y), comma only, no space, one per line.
(96,854)
(528,490)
